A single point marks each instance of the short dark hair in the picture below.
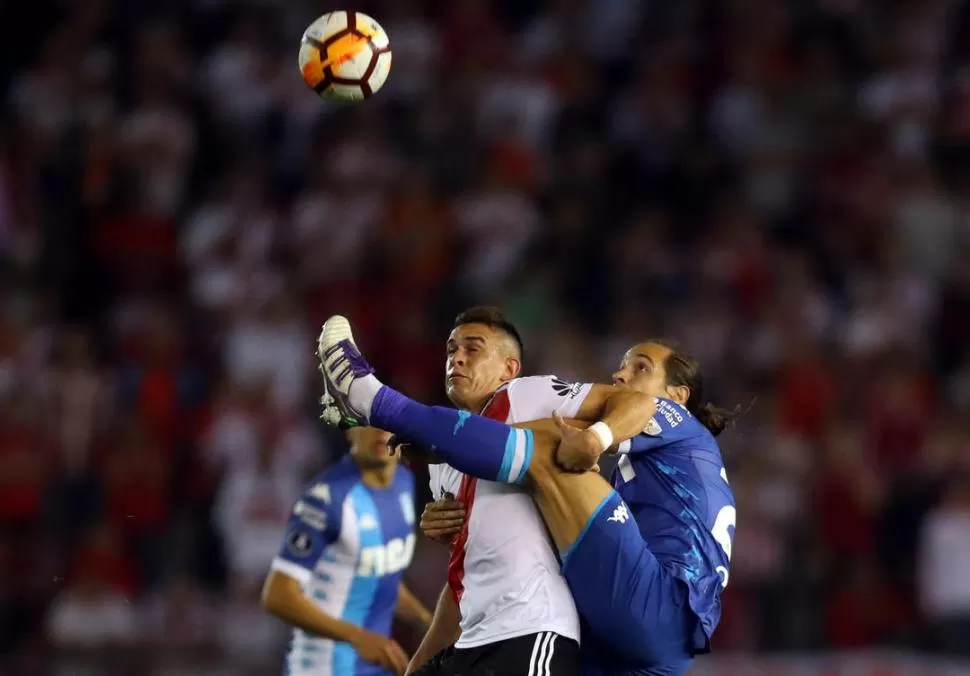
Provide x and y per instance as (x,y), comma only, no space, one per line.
(684,370)
(493,317)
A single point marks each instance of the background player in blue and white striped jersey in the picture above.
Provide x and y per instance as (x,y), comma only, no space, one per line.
(337,578)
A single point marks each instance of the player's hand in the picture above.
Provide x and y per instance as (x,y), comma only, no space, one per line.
(442,519)
(579,450)
(411,454)
(381,650)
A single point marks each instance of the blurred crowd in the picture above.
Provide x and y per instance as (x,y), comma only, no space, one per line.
(779,184)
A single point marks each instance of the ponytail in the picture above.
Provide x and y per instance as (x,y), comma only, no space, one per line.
(683,370)
(716,418)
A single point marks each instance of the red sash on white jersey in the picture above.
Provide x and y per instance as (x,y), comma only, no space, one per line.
(498,409)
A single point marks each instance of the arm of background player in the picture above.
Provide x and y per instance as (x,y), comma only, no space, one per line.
(311,528)
(444,630)
(411,610)
(283,597)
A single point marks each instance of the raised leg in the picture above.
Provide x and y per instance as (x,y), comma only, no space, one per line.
(566,500)
(636,610)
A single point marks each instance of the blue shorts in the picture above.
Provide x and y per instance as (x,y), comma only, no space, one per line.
(636,617)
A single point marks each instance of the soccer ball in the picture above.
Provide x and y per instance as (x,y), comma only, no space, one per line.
(345,56)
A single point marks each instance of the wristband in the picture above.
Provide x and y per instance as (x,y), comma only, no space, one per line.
(603,433)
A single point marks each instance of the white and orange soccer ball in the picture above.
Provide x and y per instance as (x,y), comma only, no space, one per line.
(345,56)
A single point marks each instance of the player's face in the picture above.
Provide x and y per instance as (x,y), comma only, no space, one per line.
(369,446)
(478,363)
(642,369)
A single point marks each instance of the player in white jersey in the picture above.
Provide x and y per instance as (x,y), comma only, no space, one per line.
(337,578)
(506,606)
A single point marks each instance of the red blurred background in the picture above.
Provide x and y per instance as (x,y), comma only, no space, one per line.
(780,184)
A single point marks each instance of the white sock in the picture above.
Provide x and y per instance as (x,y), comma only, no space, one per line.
(362,392)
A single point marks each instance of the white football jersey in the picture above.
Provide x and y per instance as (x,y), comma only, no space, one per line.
(504,569)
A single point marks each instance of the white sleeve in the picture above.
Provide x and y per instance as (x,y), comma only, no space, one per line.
(537,397)
(434,481)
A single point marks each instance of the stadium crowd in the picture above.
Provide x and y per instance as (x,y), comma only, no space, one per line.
(781,185)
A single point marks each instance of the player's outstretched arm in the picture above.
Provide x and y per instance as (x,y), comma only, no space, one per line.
(443,633)
(617,415)
(411,610)
(626,408)
(623,411)
(283,597)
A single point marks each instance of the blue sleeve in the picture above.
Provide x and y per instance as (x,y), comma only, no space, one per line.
(314,524)
(670,423)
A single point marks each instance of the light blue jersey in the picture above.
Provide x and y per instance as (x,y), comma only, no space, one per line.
(347,544)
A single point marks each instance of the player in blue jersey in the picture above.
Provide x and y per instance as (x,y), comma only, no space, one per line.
(646,561)
(337,578)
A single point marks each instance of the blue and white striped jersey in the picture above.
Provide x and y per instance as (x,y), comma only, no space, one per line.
(347,544)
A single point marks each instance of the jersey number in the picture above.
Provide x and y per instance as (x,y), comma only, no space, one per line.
(724,522)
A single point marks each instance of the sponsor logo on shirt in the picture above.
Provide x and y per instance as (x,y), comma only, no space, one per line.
(669,412)
(564,389)
(300,543)
(321,492)
(311,516)
(620,514)
(386,559)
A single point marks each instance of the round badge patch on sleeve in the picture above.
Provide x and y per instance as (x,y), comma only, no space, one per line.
(653,428)
(299,542)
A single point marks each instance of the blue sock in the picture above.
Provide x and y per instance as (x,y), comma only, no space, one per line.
(471,444)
